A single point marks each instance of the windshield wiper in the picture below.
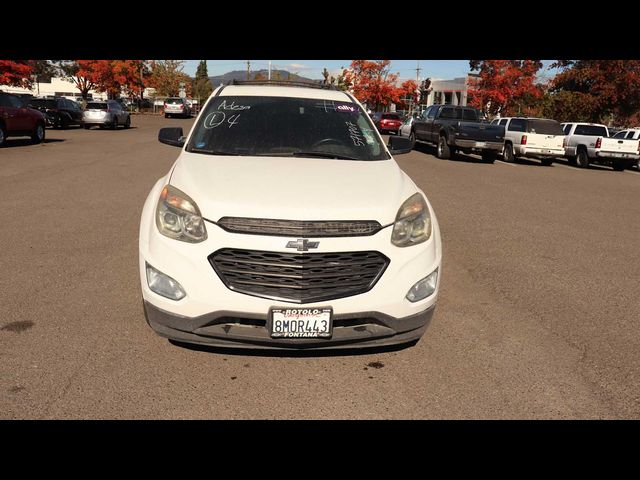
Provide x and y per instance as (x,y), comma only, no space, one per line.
(212,152)
(322,154)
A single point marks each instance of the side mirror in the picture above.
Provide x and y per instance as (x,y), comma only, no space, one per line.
(171,136)
(399,145)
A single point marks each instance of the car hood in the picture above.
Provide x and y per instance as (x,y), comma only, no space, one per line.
(293,188)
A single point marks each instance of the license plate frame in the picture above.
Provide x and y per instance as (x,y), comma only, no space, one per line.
(298,315)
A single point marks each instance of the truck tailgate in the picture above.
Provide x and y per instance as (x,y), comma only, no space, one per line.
(482,132)
(618,145)
(545,141)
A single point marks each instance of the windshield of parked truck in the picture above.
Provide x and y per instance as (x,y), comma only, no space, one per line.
(544,127)
(285,126)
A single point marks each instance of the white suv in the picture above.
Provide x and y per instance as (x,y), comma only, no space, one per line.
(286,223)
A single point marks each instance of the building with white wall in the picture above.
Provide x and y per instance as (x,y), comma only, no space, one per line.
(59,87)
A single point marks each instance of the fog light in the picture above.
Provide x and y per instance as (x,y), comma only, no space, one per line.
(163,284)
(423,288)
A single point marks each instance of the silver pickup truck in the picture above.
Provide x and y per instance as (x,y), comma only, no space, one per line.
(456,128)
(587,143)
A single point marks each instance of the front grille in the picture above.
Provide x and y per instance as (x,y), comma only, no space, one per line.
(300,228)
(298,278)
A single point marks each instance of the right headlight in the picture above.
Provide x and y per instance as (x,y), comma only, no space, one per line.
(413,222)
(178,216)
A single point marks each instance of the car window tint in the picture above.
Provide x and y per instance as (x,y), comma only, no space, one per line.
(451,113)
(517,125)
(591,130)
(544,127)
(504,121)
(630,135)
(469,114)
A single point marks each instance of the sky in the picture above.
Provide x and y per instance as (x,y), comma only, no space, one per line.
(435,69)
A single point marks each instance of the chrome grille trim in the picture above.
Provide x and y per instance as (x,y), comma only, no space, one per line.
(298,277)
(299,228)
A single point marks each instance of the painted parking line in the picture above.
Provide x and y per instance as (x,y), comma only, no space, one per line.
(507,163)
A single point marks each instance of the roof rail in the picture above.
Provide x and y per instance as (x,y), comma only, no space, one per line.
(284,83)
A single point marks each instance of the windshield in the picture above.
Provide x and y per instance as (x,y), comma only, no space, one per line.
(174,101)
(284,126)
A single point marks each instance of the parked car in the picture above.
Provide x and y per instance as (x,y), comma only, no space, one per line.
(339,249)
(588,143)
(387,122)
(538,138)
(106,114)
(60,112)
(455,128)
(629,134)
(18,120)
(407,125)
(176,106)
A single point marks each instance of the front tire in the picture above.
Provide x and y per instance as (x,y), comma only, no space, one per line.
(546,161)
(412,139)
(508,154)
(582,160)
(3,136)
(114,125)
(443,151)
(127,124)
(38,134)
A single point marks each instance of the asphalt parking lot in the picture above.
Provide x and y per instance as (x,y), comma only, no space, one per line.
(538,313)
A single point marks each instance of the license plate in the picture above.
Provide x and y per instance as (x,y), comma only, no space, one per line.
(481,144)
(301,322)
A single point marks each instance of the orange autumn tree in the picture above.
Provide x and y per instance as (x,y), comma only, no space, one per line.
(16,73)
(119,76)
(504,87)
(597,91)
(373,83)
(408,90)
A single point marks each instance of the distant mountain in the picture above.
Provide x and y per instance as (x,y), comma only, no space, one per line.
(242,75)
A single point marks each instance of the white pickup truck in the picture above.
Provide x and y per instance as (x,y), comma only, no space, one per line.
(588,143)
(630,134)
(531,137)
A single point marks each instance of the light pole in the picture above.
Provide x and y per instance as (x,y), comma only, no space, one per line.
(34,79)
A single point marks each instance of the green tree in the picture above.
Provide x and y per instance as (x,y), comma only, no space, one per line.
(166,76)
(202,87)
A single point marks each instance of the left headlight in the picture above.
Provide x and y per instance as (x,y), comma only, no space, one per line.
(178,216)
(413,222)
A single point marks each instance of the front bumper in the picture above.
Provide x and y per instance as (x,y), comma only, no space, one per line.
(247,330)
(203,315)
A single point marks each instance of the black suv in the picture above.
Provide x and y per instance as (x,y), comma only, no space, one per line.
(59,111)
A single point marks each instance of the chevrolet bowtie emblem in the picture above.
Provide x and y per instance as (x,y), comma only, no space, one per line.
(302,244)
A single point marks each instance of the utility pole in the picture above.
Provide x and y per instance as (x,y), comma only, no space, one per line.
(248,69)
(418,70)
(269,70)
